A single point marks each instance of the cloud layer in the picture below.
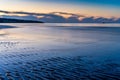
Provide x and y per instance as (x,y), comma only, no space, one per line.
(57,17)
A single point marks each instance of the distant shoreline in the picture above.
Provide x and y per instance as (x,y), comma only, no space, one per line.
(6,20)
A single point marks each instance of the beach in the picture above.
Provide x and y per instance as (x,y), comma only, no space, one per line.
(59,51)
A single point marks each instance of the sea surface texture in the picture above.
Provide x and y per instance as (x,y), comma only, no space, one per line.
(59,51)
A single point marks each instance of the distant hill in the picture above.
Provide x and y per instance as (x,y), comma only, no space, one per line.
(6,20)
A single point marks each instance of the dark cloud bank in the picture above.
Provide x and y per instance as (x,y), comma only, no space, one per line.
(56,17)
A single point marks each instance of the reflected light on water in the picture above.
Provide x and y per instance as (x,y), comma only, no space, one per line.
(48,48)
(84,24)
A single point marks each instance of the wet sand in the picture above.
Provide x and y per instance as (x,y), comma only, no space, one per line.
(42,52)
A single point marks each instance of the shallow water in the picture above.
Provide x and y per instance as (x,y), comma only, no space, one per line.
(59,51)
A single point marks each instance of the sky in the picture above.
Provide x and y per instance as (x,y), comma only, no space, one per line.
(88,8)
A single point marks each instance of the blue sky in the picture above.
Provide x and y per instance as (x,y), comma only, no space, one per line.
(88,8)
(98,2)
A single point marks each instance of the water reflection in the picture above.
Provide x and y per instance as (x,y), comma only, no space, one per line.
(82,24)
(49,51)
(2,33)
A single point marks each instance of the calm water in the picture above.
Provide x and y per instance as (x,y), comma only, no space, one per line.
(59,51)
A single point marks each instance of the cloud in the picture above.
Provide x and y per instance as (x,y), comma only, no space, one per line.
(65,13)
(58,17)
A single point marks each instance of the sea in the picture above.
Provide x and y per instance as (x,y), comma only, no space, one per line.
(59,51)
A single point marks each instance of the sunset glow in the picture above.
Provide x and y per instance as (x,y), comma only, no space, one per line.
(77,7)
